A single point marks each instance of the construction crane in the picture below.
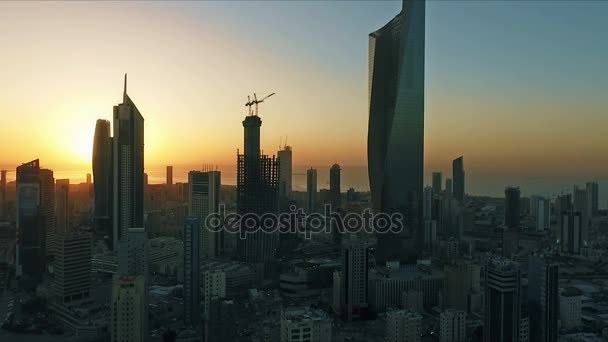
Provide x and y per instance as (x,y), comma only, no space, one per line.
(255,102)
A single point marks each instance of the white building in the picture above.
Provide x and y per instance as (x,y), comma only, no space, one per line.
(127,309)
(214,286)
(570,308)
(403,326)
(302,324)
(452,326)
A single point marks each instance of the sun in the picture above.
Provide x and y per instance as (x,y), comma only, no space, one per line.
(82,146)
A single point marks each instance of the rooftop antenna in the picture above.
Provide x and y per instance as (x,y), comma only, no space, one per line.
(285,140)
(124,93)
(280,143)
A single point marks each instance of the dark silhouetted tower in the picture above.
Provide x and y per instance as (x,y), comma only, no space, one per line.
(170,175)
(395,141)
(3,209)
(502,300)
(334,187)
(257,193)
(103,184)
(543,299)
(128,165)
(437,183)
(512,203)
(311,190)
(458,177)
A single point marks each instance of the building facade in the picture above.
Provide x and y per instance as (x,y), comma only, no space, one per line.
(103,186)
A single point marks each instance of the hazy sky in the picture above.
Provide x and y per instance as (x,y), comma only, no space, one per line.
(517,87)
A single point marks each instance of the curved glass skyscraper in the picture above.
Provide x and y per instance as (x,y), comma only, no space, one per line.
(395,145)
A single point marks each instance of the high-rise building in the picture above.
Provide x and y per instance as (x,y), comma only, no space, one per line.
(512,207)
(62,205)
(311,190)
(169,175)
(192,269)
(102,174)
(592,199)
(3,208)
(72,268)
(285,174)
(437,182)
(427,203)
(458,284)
(452,326)
(133,253)
(571,228)
(35,217)
(395,140)
(128,168)
(458,176)
(303,324)
(543,298)
(353,279)
(220,320)
(214,285)
(540,210)
(502,300)
(203,200)
(257,190)
(570,302)
(579,203)
(335,190)
(403,326)
(128,309)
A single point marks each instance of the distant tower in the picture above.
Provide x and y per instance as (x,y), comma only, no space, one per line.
(128,164)
(192,245)
(203,200)
(3,214)
(543,298)
(395,137)
(334,187)
(502,300)
(89,180)
(427,204)
(170,175)
(571,228)
(62,206)
(437,182)
(512,207)
(458,177)
(592,199)
(311,190)
(285,174)
(35,217)
(580,204)
(448,187)
(257,190)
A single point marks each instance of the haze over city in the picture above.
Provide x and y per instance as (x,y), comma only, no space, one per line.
(516,88)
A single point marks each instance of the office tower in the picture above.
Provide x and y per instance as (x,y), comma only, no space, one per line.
(570,302)
(540,209)
(571,228)
(403,326)
(543,298)
(169,175)
(592,199)
(458,177)
(145,179)
(452,326)
(89,179)
(458,281)
(285,175)
(62,206)
(448,187)
(133,253)
(502,300)
(437,182)
(72,268)
(192,245)
(128,309)
(203,200)
(257,182)
(102,174)
(512,203)
(3,209)
(219,323)
(128,168)
(335,191)
(427,203)
(35,217)
(299,324)
(214,285)
(579,203)
(563,202)
(395,140)
(353,279)
(311,190)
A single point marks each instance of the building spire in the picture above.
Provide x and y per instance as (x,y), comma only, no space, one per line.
(124,94)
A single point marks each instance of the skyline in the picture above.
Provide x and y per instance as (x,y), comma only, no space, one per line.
(180,109)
